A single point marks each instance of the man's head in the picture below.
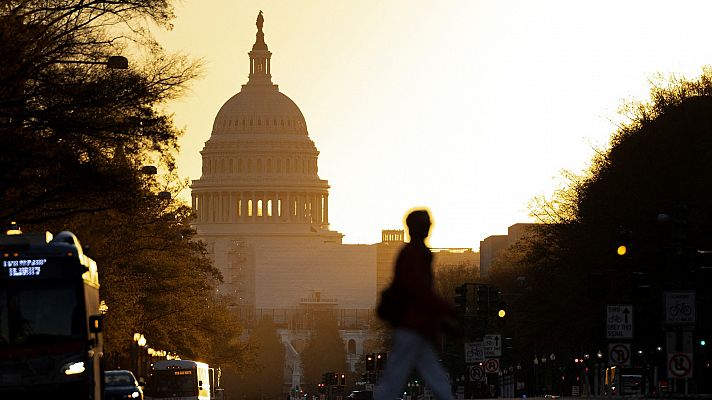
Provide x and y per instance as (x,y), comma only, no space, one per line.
(418,223)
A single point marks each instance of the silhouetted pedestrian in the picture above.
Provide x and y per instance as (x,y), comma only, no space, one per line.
(417,314)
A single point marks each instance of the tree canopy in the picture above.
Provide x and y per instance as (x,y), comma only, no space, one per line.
(265,377)
(650,189)
(325,350)
(90,149)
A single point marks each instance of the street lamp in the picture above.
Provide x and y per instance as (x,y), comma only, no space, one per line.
(113,62)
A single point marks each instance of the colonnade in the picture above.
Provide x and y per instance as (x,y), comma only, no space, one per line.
(262,206)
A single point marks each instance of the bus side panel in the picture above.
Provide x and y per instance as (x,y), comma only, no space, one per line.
(91,298)
(204,377)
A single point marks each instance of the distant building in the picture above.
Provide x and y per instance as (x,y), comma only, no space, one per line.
(263,211)
(492,246)
(393,240)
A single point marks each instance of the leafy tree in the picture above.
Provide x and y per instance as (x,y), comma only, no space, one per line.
(325,351)
(449,277)
(651,185)
(263,379)
(74,140)
(74,134)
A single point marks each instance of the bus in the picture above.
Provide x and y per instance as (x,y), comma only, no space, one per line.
(180,380)
(625,381)
(50,324)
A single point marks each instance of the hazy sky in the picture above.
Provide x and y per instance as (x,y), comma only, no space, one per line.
(471,108)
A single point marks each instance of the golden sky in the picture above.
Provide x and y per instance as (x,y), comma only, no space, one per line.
(471,108)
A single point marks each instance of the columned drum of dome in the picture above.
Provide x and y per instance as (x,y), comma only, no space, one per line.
(260,168)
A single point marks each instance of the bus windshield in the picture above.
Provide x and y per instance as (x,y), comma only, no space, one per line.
(35,312)
(174,383)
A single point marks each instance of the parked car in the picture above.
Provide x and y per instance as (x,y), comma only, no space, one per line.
(121,384)
(360,395)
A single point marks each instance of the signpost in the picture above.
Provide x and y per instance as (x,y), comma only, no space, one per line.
(475,373)
(619,354)
(680,365)
(619,321)
(680,308)
(492,365)
(474,352)
(492,345)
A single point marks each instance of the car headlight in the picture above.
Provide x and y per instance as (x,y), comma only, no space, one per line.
(133,395)
(73,368)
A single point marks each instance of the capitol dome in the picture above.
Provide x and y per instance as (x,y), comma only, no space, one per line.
(260,171)
(262,109)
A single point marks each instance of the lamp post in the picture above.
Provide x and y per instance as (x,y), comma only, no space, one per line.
(517,377)
(552,358)
(536,383)
(139,341)
(113,62)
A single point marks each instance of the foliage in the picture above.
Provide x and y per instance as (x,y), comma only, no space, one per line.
(73,132)
(325,351)
(263,379)
(653,184)
(74,138)
(447,278)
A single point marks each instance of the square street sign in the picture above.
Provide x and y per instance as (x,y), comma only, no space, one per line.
(680,308)
(492,345)
(619,321)
(474,352)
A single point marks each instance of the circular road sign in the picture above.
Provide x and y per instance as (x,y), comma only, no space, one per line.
(476,373)
(492,365)
(680,365)
(619,354)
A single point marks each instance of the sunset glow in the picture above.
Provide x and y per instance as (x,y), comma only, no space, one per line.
(470,108)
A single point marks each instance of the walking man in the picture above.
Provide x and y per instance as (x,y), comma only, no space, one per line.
(422,314)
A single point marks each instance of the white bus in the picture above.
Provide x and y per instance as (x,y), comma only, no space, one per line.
(180,380)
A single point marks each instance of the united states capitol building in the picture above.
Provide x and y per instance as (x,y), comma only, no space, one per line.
(263,210)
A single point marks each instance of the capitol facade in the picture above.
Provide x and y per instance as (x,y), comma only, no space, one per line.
(263,212)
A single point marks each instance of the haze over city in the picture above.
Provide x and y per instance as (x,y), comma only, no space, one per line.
(471,108)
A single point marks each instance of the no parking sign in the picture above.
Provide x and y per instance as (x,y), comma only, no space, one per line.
(619,354)
(679,365)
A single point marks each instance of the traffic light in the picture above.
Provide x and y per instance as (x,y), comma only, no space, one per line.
(623,242)
(461,299)
(370,362)
(482,298)
(342,379)
(502,310)
(330,378)
(381,361)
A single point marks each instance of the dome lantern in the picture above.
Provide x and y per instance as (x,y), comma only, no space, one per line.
(260,58)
